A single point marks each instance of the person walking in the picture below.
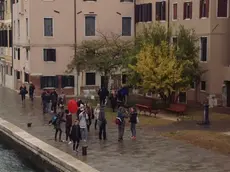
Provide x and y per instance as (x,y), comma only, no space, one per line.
(68,124)
(83,118)
(120,121)
(102,124)
(23,92)
(75,135)
(45,101)
(113,100)
(103,93)
(31,91)
(133,121)
(58,126)
(96,114)
(90,116)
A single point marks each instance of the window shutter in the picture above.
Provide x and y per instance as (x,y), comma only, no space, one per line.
(149,12)
(140,13)
(63,78)
(190,10)
(201,7)
(145,12)
(185,10)
(56,82)
(207,8)
(72,81)
(163,11)
(158,7)
(137,7)
(54,55)
(10,38)
(42,82)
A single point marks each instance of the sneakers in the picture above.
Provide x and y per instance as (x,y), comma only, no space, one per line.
(133,137)
(69,142)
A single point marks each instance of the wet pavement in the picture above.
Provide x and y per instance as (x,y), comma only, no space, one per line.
(149,153)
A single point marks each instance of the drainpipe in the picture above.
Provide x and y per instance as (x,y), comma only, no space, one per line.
(134,28)
(168,24)
(75,48)
(12,42)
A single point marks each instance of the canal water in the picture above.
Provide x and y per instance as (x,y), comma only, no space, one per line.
(11,162)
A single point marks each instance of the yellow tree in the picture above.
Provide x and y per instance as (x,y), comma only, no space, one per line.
(159,69)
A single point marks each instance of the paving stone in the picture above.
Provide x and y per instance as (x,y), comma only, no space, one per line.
(149,153)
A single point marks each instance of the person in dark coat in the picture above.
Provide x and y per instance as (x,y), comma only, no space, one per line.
(68,123)
(75,135)
(23,92)
(58,125)
(45,101)
(54,100)
(102,123)
(113,99)
(133,121)
(31,91)
(103,93)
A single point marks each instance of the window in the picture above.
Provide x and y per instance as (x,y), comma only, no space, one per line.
(48,27)
(6,69)
(10,38)
(102,81)
(203,48)
(188,10)
(27,54)
(90,78)
(90,25)
(143,13)
(204,8)
(161,10)
(49,81)
(174,11)
(126,26)
(222,8)
(124,79)
(15,53)
(202,85)
(14,29)
(67,81)
(27,27)
(49,55)
(18,74)
(18,28)
(2,11)
(26,77)
(19,53)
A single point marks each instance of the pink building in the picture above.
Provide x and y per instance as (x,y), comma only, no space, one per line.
(43,38)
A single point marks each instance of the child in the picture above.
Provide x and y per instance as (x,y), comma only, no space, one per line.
(75,135)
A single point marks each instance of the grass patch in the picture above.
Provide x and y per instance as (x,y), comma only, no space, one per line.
(205,139)
(144,120)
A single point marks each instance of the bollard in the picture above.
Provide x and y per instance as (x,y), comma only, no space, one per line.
(206,114)
(84,150)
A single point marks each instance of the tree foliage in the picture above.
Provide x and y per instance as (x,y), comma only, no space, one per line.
(105,55)
(163,65)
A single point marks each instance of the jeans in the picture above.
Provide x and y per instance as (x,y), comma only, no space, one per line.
(23,97)
(84,133)
(121,130)
(102,130)
(44,106)
(60,133)
(133,129)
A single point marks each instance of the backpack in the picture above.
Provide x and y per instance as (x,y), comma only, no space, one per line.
(118,121)
(54,120)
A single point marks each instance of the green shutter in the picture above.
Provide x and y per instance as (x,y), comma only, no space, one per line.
(42,82)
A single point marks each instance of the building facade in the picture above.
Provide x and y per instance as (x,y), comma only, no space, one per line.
(6,74)
(43,39)
(210,20)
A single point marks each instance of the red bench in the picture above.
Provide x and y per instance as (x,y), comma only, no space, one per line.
(177,108)
(147,108)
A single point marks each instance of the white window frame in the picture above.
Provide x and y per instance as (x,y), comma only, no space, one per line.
(94,15)
(44,27)
(200,49)
(173,11)
(217,11)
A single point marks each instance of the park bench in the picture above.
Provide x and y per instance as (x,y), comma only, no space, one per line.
(147,108)
(177,108)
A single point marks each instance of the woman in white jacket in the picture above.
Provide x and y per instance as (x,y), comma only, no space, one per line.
(96,114)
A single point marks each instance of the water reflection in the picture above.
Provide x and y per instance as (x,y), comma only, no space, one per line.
(10,162)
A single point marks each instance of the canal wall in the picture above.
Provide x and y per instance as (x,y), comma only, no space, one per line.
(42,155)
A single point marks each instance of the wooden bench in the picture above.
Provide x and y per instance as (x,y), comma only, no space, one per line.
(177,108)
(147,108)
